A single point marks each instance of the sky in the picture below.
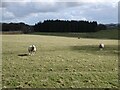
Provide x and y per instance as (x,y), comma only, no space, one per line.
(33,11)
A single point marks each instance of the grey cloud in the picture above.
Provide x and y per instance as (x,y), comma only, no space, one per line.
(102,13)
(119,12)
(2,4)
(58,10)
(74,4)
(6,15)
(21,9)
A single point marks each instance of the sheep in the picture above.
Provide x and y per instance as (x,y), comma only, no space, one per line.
(78,37)
(101,46)
(32,49)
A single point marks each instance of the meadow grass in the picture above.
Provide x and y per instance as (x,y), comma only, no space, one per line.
(60,62)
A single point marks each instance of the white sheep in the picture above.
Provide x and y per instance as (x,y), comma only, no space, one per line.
(32,49)
(101,46)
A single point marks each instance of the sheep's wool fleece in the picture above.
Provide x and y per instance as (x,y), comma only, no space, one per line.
(32,48)
(101,46)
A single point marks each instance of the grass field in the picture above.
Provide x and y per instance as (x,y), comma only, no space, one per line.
(60,62)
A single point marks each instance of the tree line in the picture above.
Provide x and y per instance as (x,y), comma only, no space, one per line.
(55,26)
(17,27)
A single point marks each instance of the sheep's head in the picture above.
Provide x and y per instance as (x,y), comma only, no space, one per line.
(33,45)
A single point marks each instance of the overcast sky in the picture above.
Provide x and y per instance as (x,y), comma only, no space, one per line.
(33,11)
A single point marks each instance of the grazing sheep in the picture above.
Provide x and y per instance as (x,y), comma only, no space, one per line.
(32,49)
(101,46)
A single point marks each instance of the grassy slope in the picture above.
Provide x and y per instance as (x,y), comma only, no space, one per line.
(103,34)
(59,62)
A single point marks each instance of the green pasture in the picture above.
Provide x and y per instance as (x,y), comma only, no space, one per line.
(60,61)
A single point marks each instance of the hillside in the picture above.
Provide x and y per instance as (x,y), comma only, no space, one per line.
(103,34)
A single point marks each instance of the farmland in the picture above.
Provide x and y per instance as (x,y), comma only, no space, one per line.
(61,61)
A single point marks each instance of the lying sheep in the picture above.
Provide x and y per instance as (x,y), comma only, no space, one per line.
(32,49)
(101,46)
